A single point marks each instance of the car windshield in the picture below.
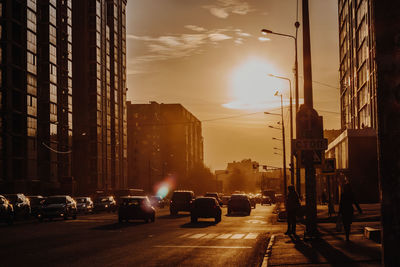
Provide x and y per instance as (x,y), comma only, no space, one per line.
(204,202)
(36,201)
(182,196)
(131,201)
(81,200)
(12,198)
(211,195)
(55,200)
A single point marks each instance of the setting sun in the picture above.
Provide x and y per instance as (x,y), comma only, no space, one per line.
(252,88)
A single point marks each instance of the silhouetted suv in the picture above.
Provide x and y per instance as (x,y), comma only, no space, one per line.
(58,206)
(205,207)
(181,201)
(239,203)
(137,207)
(36,204)
(6,210)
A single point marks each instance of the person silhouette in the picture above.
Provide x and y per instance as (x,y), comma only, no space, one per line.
(292,206)
(346,208)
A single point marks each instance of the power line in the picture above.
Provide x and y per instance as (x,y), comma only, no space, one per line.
(56,151)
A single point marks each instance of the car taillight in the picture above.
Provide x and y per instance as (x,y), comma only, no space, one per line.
(171,201)
(215,206)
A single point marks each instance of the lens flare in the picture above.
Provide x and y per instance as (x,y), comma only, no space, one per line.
(164,187)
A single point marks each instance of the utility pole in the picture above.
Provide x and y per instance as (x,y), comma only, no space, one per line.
(309,129)
(387,36)
(296,72)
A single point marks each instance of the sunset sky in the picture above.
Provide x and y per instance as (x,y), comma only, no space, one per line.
(211,57)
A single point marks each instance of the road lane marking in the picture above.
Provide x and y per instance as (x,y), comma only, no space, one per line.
(210,236)
(225,247)
(224,236)
(197,236)
(251,236)
(185,235)
(237,236)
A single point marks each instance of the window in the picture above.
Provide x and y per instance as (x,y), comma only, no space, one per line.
(362,76)
(53,54)
(31,41)
(31,105)
(31,62)
(31,126)
(53,73)
(31,20)
(53,34)
(52,15)
(31,87)
(53,93)
(53,112)
(362,97)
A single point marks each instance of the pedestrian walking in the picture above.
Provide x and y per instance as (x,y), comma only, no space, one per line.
(292,207)
(346,208)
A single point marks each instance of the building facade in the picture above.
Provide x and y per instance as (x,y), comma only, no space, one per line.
(36,90)
(99,102)
(164,140)
(357,65)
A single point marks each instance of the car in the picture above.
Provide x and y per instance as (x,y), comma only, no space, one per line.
(105,203)
(60,206)
(136,207)
(157,201)
(6,210)
(205,207)
(215,195)
(225,200)
(239,203)
(36,204)
(271,194)
(279,198)
(21,204)
(252,201)
(266,200)
(84,204)
(181,200)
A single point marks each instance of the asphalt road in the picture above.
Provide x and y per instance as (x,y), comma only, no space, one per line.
(99,240)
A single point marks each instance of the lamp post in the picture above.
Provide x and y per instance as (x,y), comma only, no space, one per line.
(283,142)
(291,126)
(296,72)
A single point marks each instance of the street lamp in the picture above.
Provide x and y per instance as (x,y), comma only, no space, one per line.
(291,126)
(283,142)
(296,72)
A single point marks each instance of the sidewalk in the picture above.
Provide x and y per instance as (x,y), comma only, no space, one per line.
(330,249)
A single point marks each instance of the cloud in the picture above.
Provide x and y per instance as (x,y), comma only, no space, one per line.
(242,34)
(219,12)
(195,28)
(215,37)
(263,39)
(223,8)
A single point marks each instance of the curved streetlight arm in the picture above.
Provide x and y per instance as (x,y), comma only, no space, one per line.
(266,31)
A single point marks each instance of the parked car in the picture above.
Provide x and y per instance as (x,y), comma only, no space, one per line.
(215,195)
(136,207)
(181,201)
(239,203)
(205,207)
(36,204)
(279,198)
(157,201)
(21,204)
(271,194)
(225,200)
(266,200)
(62,206)
(84,204)
(106,203)
(6,210)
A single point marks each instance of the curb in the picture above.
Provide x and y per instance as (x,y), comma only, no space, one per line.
(268,251)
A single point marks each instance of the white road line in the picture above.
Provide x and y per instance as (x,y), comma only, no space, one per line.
(226,247)
(224,236)
(197,236)
(210,236)
(185,235)
(237,236)
(251,236)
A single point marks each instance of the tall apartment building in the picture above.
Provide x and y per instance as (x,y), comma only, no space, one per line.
(99,118)
(164,139)
(357,64)
(355,148)
(36,95)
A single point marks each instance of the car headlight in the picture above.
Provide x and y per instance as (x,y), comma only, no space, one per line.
(83,206)
(106,206)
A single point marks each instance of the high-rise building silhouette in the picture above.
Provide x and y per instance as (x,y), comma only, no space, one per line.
(99,102)
(164,140)
(36,95)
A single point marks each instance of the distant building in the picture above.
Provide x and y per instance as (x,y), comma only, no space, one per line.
(99,102)
(35,96)
(163,139)
(251,176)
